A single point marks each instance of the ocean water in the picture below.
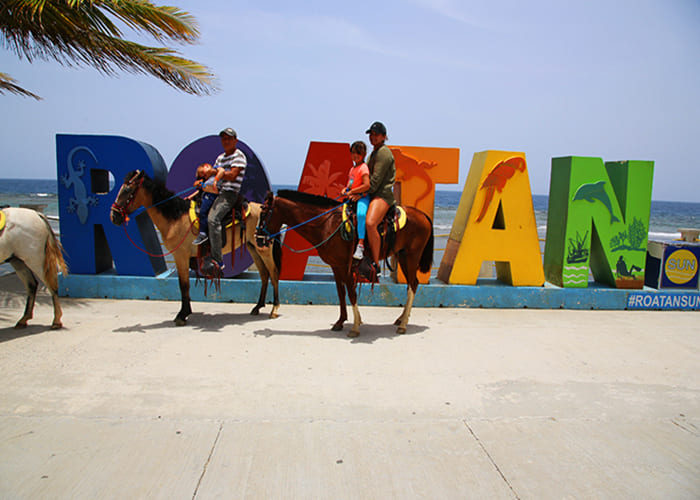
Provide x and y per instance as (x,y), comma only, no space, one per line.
(665,219)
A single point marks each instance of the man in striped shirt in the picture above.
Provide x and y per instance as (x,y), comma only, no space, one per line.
(234,163)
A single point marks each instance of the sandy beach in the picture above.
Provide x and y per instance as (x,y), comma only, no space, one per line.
(469,403)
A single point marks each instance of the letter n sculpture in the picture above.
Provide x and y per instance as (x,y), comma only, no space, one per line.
(598,219)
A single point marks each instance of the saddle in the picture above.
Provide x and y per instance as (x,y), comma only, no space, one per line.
(203,264)
(237,216)
(394,220)
(3,219)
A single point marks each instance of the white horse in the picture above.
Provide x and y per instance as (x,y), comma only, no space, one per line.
(30,246)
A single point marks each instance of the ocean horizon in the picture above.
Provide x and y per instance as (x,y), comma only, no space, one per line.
(666,218)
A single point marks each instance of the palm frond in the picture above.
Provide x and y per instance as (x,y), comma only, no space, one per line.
(84,32)
(7,84)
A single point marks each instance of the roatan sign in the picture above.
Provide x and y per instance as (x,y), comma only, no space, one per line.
(598,216)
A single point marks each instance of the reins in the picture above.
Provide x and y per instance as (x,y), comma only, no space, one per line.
(162,254)
(123,210)
(140,210)
(282,231)
(313,247)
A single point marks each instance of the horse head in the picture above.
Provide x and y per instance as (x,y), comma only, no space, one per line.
(262,234)
(124,204)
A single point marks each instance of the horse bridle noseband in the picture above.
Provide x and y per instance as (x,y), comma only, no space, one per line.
(124,209)
(262,234)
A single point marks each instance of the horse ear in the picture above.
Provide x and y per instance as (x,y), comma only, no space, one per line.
(268,198)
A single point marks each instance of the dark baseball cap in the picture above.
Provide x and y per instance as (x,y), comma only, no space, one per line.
(229,132)
(377,128)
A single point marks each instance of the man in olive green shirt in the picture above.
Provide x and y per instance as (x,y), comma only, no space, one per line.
(381,186)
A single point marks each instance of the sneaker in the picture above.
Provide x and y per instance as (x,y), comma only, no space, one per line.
(201,238)
(359,252)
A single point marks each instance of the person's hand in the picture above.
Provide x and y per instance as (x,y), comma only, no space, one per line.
(198,183)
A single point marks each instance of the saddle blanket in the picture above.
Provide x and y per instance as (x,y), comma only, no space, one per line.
(194,218)
(399,220)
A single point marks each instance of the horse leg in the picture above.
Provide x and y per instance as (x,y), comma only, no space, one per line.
(340,287)
(276,298)
(409,268)
(57,311)
(264,277)
(182,260)
(352,295)
(31,284)
(272,261)
(406,311)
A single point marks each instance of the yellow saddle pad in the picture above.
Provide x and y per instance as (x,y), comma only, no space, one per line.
(399,220)
(346,218)
(2,220)
(194,219)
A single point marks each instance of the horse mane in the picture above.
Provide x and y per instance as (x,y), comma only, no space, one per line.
(307,198)
(172,209)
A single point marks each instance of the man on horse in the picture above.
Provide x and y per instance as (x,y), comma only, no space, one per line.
(381,186)
(233,162)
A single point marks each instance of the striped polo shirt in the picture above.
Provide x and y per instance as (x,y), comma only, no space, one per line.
(235,160)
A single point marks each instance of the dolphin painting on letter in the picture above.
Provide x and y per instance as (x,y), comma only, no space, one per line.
(595,191)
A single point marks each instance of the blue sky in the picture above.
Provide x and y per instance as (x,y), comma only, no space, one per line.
(614,79)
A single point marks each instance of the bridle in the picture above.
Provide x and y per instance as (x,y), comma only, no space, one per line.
(131,187)
(262,234)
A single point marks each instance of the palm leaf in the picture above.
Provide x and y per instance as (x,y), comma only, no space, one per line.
(7,84)
(85,32)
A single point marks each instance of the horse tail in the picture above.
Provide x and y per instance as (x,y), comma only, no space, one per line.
(426,259)
(53,258)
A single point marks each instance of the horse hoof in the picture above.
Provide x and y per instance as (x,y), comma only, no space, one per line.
(401,330)
(352,334)
(255,311)
(337,327)
(180,322)
(20,326)
(274,315)
(56,326)
(397,322)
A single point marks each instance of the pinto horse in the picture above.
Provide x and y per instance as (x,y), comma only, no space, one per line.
(171,215)
(28,243)
(320,223)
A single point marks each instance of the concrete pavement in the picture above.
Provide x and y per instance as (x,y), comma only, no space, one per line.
(469,403)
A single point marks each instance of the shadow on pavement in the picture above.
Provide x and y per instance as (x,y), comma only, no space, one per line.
(198,321)
(368,333)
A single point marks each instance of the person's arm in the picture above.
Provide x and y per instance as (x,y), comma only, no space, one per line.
(233,172)
(230,174)
(219,175)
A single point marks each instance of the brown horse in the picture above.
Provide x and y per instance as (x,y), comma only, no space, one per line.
(170,214)
(413,246)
